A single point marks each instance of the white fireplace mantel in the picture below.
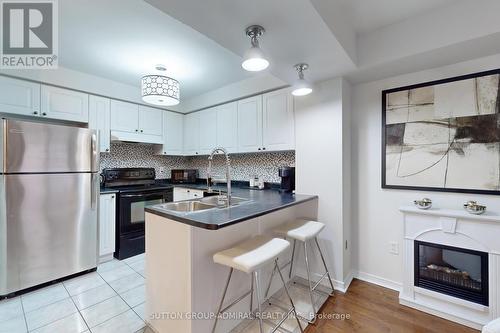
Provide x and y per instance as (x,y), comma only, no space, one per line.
(460,229)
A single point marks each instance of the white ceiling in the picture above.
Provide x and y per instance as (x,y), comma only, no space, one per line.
(202,42)
(295,32)
(124,39)
(369,15)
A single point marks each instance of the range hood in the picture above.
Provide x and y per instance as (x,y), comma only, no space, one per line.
(136,137)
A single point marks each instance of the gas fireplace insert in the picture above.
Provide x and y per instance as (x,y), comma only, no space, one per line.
(452,271)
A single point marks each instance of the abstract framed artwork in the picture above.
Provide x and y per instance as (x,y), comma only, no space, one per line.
(443,135)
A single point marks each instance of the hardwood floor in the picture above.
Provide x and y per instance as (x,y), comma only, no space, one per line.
(376,309)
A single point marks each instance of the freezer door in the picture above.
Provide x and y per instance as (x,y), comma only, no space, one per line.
(31,147)
(48,228)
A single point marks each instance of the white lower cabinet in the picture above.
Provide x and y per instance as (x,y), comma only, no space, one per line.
(107,225)
(181,193)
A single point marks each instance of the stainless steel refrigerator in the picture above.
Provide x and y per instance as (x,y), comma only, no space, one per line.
(49,190)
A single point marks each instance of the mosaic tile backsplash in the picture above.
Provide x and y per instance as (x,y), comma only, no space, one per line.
(243,166)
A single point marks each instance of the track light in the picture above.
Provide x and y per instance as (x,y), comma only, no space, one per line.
(301,87)
(254,59)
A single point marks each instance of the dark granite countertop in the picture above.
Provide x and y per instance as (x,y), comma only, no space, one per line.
(107,190)
(261,202)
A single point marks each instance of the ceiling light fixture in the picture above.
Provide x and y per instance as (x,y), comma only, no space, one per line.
(254,59)
(160,89)
(301,87)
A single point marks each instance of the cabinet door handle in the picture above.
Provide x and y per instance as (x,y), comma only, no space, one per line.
(44,113)
(264,148)
(137,130)
(164,153)
(142,131)
(112,197)
(36,112)
(107,149)
(258,148)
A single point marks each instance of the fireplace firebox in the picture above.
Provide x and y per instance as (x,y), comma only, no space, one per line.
(452,271)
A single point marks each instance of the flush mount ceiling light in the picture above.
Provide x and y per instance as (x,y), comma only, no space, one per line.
(160,89)
(301,87)
(254,59)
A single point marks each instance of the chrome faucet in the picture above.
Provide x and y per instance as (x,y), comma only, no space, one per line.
(228,172)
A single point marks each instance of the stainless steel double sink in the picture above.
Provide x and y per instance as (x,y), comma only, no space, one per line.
(206,203)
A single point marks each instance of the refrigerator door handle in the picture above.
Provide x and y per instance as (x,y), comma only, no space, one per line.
(93,191)
(95,152)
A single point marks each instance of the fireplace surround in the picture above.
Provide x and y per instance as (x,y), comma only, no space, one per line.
(459,248)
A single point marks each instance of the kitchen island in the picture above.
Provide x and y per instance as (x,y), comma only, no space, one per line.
(183,285)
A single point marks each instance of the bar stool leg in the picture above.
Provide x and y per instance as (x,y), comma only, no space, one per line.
(289,297)
(291,262)
(269,284)
(257,298)
(251,294)
(324,264)
(222,300)
(309,281)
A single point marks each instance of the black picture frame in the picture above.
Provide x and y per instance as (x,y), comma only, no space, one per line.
(419,85)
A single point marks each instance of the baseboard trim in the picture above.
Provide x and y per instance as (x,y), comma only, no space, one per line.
(340,286)
(383,282)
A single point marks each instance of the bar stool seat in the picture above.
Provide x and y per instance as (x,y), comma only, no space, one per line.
(252,254)
(248,257)
(304,231)
(301,230)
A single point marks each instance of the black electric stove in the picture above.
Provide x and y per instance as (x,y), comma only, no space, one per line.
(137,188)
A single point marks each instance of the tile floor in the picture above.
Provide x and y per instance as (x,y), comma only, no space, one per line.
(109,300)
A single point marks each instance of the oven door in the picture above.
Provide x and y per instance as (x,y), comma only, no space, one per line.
(132,206)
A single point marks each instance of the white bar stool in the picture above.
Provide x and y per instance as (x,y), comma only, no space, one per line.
(304,231)
(248,257)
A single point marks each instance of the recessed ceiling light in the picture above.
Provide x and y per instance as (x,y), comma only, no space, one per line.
(301,87)
(160,89)
(254,59)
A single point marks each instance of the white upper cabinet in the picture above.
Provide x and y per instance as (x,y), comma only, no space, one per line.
(100,119)
(150,121)
(136,123)
(173,130)
(192,134)
(124,117)
(227,127)
(19,97)
(278,121)
(208,130)
(64,104)
(250,124)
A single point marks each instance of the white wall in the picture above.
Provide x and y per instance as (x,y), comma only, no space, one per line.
(376,219)
(319,158)
(251,86)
